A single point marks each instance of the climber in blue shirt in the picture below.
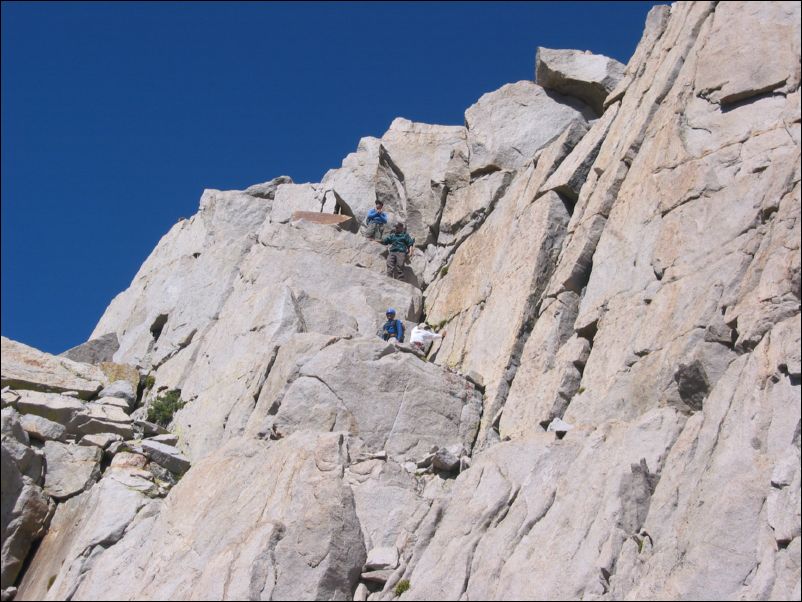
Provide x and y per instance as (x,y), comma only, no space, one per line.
(392,329)
(375,221)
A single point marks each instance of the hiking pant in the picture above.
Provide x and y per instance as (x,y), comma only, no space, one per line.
(374,230)
(395,264)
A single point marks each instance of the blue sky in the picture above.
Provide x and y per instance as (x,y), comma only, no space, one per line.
(116,116)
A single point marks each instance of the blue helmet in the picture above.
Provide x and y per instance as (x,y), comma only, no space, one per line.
(390,312)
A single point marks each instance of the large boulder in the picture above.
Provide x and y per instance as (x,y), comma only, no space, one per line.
(290,198)
(122,389)
(94,351)
(584,75)
(27,368)
(121,372)
(71,468)
(391,400)
(508,126)
(66,411)
(43,429)
(165,455)
(267,190)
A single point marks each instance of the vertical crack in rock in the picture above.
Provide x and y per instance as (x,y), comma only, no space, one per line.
(496,406)
(265,374)
(296,306)
(475,438)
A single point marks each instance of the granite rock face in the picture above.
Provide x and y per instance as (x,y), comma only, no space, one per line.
(612,411)
(272,551)
(410,406)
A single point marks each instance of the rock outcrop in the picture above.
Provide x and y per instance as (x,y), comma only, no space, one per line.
(613,412)
(28,368)
(584,75)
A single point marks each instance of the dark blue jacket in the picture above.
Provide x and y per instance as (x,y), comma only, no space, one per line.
(380,217)
(393,328)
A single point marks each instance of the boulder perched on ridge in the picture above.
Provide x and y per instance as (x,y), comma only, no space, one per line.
(584,75)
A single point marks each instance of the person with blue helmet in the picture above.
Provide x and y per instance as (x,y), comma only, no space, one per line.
(392,329)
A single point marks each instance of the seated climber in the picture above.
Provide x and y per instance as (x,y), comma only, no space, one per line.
(422,336)
(374,222)
(400,246)
(393,330)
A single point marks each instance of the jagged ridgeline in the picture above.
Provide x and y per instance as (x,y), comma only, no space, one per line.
(613,412)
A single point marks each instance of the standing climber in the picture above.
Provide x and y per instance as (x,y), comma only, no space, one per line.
(375,221)
(422,336)
(393,329)
(400,245)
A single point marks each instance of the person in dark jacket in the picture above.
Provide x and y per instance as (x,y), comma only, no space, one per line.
(392,329)
(400,246)
(375,221)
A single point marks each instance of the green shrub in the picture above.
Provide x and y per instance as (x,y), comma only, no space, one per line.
(164,406)
(150,380)
(401,587)
(581,390)
(444,271)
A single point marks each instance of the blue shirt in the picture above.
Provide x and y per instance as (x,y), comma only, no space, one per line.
(393,328)
(380,217)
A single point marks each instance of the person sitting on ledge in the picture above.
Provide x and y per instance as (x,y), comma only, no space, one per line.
(393,330)
(374,222)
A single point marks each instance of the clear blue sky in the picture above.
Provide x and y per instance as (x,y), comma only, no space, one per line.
(116,116)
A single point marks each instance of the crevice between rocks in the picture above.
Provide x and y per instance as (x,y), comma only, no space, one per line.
(530,315)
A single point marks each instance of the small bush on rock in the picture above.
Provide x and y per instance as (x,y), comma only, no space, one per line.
(164,406)
(401,587)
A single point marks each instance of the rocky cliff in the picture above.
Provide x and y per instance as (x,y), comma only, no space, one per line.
(613,253)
